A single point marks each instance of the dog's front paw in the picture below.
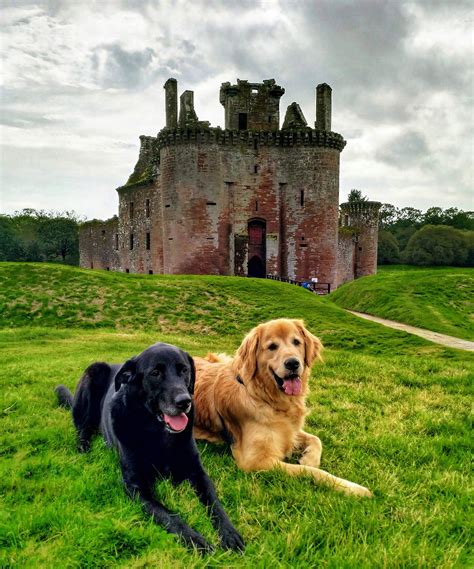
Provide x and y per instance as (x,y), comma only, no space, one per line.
(231,539)
(310,459)
(194,539)
(357,490)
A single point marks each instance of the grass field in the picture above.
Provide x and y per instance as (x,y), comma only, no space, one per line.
(392,410)
(438,299)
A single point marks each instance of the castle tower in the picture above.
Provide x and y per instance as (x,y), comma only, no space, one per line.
(252,106)
(363,218)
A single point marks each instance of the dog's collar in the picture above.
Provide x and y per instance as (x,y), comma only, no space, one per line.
(239,379)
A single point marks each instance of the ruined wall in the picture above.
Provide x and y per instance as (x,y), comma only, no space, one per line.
(346,250)
(97,245)
(140,229)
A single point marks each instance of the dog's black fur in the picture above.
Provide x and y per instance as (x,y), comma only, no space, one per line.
(135,406)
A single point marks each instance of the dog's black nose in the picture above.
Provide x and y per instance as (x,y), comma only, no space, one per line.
(292,364)
(182,401)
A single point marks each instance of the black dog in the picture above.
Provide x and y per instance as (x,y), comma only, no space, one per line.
(144,408)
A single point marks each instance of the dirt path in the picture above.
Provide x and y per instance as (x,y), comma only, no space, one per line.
(449,341)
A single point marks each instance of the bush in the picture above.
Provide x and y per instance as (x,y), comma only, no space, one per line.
(388,252)
(439,245)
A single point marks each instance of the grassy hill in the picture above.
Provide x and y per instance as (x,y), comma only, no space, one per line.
(392,411)
(438,299)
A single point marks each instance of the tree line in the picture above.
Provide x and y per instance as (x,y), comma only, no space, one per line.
(434,237)
(32,235)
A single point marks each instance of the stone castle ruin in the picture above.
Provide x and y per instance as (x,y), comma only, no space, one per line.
(249,199)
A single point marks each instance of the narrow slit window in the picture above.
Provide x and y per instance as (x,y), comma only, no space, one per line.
(147,208)
(256,205)
(242,121)
(131,241)
(116,242)
(255,169)
(302,198)
(148,241)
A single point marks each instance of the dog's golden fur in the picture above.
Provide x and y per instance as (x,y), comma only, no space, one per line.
(255,401)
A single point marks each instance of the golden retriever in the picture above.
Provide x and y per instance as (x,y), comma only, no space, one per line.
(256,402)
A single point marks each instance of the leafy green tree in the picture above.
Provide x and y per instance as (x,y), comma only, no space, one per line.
(58,238)
(434,216)
(438,245)
(388,251)
(10,245)
(356,196)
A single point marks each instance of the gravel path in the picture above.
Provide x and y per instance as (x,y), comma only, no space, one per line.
(443,339)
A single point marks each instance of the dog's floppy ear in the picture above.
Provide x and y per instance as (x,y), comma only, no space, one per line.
(245,362)
(312,345)
(126,374)
(192,369)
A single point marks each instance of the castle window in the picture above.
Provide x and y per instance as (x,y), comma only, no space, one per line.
(131,241)
(92,265)
(147,208)
(116,242)
(103,231)
(255,169)
(242,121)
(127,270)
(211,203)
(148,241)
(270,119)
(108,268)
(150,272)
(131,210)
(302,198)
(256,205)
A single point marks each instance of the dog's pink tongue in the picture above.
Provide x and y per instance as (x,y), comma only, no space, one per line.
(177,422)
(292,386)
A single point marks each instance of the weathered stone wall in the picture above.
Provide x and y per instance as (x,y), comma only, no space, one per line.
(97,245)
(140,227)
(346,250)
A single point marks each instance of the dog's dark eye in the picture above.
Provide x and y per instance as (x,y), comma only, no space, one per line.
(273,346)
(181,370)
(296,342)
(155,372)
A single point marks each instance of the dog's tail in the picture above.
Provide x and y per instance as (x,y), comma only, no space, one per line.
(64,396)
(218,358)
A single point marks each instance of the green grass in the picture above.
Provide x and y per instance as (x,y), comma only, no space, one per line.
(438,299)
(393,413)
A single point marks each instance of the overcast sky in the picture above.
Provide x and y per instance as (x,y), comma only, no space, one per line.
(81,80)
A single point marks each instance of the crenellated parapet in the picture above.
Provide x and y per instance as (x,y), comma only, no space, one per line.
(216,135)
(360,212)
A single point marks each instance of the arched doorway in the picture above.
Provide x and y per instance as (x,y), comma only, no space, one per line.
(256,267)
(257,249)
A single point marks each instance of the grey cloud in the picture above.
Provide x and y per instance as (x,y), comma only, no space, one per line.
(406,149)
(123,69)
